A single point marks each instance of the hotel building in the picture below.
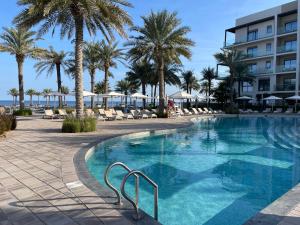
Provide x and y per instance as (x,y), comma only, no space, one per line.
(269,40)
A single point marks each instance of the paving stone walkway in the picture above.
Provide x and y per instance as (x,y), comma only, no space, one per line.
(38,180)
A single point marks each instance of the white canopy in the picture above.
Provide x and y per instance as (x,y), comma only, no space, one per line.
(244,98)
(272,97)
(54,93)
(295,97)
(180,95)
(85,94)
(138,95)
(111,94)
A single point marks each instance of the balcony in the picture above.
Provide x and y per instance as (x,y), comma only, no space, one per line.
(260,71)
(284,30)
(286,49)
(246,39)
(285,87)
(285,69)
(258,54)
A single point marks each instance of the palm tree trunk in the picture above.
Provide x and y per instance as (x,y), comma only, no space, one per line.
(92,87)
(79,66)
(58,74)
(239,88)
(161,86)
(154,94)
(30,100)
(209,86)
(20,61)
(151,93)
(144,93)
(105,84)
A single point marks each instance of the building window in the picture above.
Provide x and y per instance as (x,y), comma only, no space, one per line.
(290,26)
(252,52)
(289,64)
(268,47)
(252,68)
(269,29)
(290,45)
(247,87)
(253,35)
(264,85)
(268,65)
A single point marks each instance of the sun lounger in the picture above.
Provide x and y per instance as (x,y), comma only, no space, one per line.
(154,111)
(62,113)
(213,111)
(289,110)
(49,114)
(142,115)
(113,111)
(241,111)
(180,112)
(279,110)
(195,112)
(268,110)
(121,114)
(152,115)
(201,111)
(207,111)
(110,116)
(187,112)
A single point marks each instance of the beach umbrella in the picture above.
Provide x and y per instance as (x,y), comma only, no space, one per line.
(55,94)
(113,94)
(138,96)
(295,98)
(181,95)
(272,98)
(244,99)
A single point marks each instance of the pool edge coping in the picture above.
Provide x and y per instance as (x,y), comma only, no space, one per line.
(280,207)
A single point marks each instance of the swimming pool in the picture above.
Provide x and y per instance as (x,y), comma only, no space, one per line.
(218,171)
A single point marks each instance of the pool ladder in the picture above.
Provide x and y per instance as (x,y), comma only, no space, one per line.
(137,174)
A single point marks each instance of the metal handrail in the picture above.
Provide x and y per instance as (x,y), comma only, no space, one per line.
(136,207)
(108,169)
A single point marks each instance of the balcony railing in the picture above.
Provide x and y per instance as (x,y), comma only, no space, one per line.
(260,71)
(285,49)
(283,30)
(245,39)
(285,87)
(258,54)
(283,68)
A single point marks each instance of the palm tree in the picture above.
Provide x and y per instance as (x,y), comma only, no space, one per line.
(208,75)
(204,88)
(126,87)
(163,40)
(110,54)
(100,89)
(30,92)
(91,61)
(231,59)
(190,82)
(65,90)
(242,75)
(72,17)
(38,94)
(140,74)
(50,60)
(46,93)
(19,42)
(14,93)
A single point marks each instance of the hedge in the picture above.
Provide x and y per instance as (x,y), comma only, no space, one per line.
(74,125)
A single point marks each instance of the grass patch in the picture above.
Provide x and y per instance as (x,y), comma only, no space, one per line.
(7,123)
(23,112)
(74,125)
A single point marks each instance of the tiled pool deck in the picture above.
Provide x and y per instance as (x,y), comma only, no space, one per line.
(39,183)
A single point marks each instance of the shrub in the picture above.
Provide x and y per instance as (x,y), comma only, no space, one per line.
(7,123)
(232,110)
(22,112)
(74,125)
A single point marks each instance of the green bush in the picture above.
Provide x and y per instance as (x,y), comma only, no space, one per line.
(23,112)
(74,125)
(7,123)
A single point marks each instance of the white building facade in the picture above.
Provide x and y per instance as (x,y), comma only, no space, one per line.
(269,40)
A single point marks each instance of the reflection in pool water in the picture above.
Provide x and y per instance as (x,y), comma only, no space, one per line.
(219,171)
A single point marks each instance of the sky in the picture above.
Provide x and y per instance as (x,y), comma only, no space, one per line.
(207,20)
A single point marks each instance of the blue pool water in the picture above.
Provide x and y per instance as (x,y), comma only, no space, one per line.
(219,171)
